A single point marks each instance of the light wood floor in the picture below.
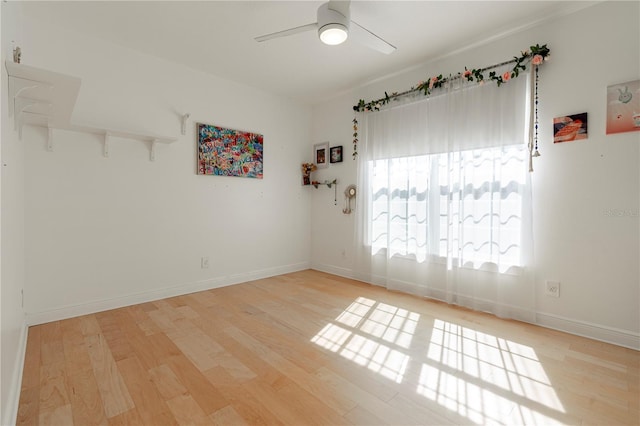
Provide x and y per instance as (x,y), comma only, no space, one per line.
(311,348)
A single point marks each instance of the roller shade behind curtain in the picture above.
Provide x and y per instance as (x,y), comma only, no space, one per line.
(469,116)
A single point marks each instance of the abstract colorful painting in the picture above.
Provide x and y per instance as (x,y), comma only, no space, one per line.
(228,152)
(623,107)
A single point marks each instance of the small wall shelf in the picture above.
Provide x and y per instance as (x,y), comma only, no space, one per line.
(45,98)
(329,183)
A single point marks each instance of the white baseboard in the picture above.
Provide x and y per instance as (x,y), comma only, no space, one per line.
(335,270)
(34,318)
(483,305)
(10,415)
(625,338)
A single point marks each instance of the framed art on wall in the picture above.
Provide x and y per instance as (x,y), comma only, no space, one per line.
(335,154)
(623,107)
(570,128)
(321,154)
(228,152)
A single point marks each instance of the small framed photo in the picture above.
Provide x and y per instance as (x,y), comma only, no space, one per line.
(321,154)
(570,128)
(335,154)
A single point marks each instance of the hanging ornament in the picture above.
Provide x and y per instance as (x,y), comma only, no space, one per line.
(355,136)
(536,153)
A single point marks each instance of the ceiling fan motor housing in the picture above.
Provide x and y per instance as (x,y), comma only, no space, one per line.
(329,19)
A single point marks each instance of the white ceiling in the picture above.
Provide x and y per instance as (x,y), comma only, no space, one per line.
(218,37)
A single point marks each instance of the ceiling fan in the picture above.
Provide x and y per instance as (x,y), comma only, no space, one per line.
(334,26)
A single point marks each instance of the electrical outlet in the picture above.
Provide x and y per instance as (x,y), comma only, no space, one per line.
(552,289)
(204,262)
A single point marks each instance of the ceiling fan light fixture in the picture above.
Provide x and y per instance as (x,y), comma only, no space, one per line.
(333,34)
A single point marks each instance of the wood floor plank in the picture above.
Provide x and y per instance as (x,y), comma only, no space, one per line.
(227,416)
(51,346)
(312,348)
(128,418)
(85,398)
(75,352)
(56,416)
(360,416)
(89,325)
(53,387)
(207,298)
(150,349)
(186,411)
(305,380)
(279,337)
(115,395)
(277,404)
(245,405)
(167,382)
(162,320)
(147,399)
(304,402)
(110,324)
(374,384)
(29,406)
(203,392)
(142,320)
(367,402)
(234,367)
(215,329)
(201,349)
(187,311)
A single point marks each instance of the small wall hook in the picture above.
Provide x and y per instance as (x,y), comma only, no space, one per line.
(17,54)
(184,123)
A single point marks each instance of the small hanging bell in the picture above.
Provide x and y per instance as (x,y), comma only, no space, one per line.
(536,153)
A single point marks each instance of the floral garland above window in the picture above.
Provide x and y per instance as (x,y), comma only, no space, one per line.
(535,56)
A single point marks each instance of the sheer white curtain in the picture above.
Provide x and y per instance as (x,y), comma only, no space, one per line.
(445,196)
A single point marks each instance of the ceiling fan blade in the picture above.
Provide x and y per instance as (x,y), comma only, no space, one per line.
(288,32)
(369,39)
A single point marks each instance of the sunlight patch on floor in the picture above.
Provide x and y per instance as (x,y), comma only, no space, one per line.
(486,378)
(483,378)
(368,332)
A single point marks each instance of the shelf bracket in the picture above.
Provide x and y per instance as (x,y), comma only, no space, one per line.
(50,139)
(152,154)
(107,142)
(35,117)
(20,107)
(18,85)
(185,117)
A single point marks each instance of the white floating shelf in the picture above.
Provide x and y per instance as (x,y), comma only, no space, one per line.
(44,98)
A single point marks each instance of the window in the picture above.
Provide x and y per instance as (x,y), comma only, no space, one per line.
(464,207)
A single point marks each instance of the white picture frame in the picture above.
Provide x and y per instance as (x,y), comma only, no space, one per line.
(321,155)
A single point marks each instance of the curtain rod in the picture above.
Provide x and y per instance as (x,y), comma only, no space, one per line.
(450,79)
(470,75)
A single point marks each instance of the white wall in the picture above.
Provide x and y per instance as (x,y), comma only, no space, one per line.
(13,327)
(104,232)
(594,256)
